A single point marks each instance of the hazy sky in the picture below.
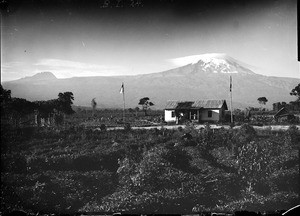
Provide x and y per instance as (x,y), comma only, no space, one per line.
(125,37)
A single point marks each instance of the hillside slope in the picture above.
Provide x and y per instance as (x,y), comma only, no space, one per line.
(204,78)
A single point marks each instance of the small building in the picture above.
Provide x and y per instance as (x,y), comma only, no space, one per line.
(283,115)
(196,111)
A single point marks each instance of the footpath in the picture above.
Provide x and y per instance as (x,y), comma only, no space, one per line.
(212,126)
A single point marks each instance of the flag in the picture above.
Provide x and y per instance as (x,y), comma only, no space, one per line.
(122,89)
(230,83)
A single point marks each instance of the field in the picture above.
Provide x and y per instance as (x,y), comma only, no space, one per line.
(79,169)
(114,118)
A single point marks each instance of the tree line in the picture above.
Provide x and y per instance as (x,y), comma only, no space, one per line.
(16,108)
(293,105)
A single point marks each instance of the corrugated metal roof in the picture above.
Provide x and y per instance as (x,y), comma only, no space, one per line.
(208,104)
(282,111)
(196,104)
(172,104)
(185,105)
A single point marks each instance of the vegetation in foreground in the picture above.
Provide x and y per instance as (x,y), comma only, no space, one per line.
(150,171)
(69,168)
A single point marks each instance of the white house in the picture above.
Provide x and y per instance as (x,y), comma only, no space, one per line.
(197,111)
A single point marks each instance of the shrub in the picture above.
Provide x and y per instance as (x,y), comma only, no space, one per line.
(150,169)
(258,203)
(87,162)
(127,127)
(245,134)
(178,158)
(254,162)
(142,171)
(103,127)
(293,136)
(285,180)
(13,163)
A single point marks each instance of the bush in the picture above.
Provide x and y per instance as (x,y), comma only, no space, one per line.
(179,159)
(103,127)
(285,180)
(255,160)
(142,171)
(293,136)
(127,127)
(257,203)
(13,163)
(245,134)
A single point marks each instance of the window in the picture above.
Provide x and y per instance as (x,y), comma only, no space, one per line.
(209,114)
(173,114)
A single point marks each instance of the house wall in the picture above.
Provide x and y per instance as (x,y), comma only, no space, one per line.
(216,115)
(222,114)
(203,114)
(168,116)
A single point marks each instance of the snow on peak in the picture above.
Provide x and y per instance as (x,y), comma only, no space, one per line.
(193,59)
(214,62)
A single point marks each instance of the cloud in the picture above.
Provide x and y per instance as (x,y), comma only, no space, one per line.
(183,60)
(65,68)
(13,70)
(7,65)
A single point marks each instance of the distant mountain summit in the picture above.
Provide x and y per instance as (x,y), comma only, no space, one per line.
(42,76)
(214,63)
(198,77)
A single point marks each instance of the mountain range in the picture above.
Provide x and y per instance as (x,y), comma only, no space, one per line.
(202,77)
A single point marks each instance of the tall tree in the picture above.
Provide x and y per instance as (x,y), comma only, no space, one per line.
(65,101)
(94,105)
(262,100)
(296,92)
(45,108)
(5,96)
(15,108)
(22,106)
(145,103)
(137,109)
(19,108)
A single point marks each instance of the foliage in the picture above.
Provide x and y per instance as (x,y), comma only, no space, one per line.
(103,127)
(254,162)
(296,92)
(208,139)
(5,97)
(245,134)
(18,108)
(262,100)
(93,103)
(65,100)
(46,107)
(257,203)
(62,104)
(148,171)
(145,103)
(293,136)
(127,127)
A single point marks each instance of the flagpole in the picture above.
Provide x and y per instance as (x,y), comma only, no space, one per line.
(122,90)
(231,116)
(124,107)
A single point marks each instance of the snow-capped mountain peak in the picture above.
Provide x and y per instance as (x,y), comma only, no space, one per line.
(216,63)
(213,62)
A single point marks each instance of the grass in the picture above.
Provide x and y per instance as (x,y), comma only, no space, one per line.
(78,169)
